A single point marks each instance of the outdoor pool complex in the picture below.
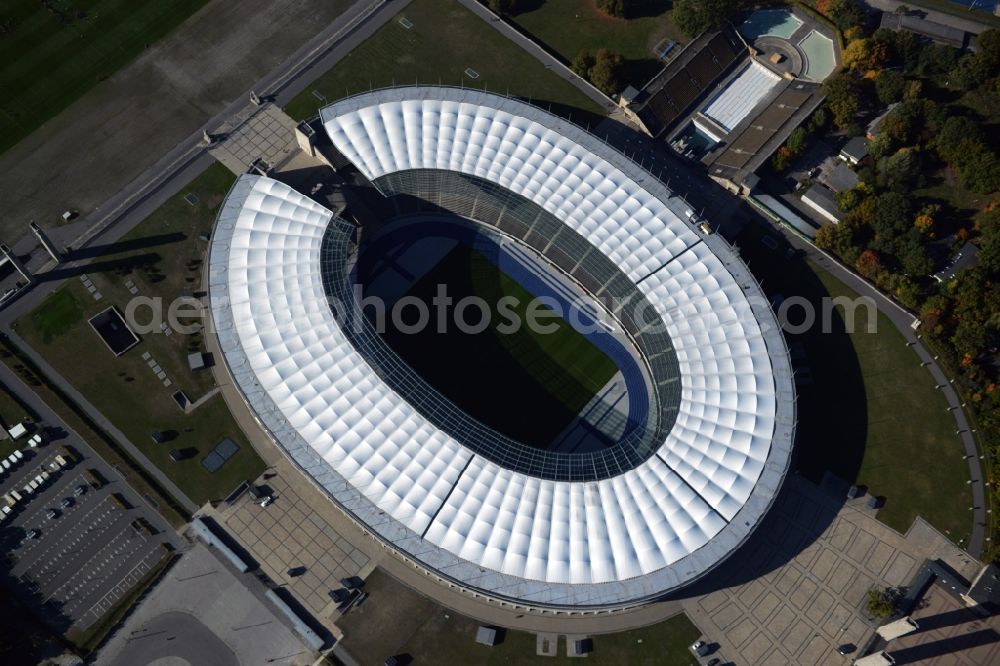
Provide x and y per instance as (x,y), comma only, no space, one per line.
(818,52)
(770,23)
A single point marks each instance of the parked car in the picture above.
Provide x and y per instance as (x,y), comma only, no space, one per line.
(51,514)
(66,502)
(79,490)
(31,534)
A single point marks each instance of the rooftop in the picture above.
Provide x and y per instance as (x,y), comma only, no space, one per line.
(608,542)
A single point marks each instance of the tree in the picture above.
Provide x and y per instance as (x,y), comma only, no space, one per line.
(607,72)
(865,54)
(844,99)
(914,260)
(924,223)
(900,171)
(903,123)
(989,47)
(583,63)
(844,13)
(973,70)
(988,225)
(694,17)
(914,89)
(907,48)
(889,87)
(868,264)
(797,140)
(954,131)
(905,289)
(936,60)
(881,603)
(892,219)
(818,120)
(880,146)
(616,8)
(980,169)
(782,159)
(848,200)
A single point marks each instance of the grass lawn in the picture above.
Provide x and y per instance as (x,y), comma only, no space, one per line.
(11,411)
(396,620)
(545,379)
(163,256)
(445,39)
(58,317)
(54,52)
(871,415)
(570,26)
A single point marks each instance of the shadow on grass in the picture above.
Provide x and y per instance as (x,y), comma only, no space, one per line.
(93,251)
(832,420)
(647,8)
(574,114)
(122,265)
(639,72)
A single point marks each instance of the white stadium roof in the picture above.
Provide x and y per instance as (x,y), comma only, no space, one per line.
(605,543)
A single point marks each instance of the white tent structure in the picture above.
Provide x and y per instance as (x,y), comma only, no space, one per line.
(606,543)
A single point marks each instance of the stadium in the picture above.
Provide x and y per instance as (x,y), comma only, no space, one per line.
(618,460)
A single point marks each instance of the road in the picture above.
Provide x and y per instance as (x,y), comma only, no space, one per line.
(969,24)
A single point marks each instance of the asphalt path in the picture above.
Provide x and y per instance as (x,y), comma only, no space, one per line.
(178,635)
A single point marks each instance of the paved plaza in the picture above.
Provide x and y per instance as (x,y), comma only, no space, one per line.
(296,546)
(219,613)
(799,588)
(260,132)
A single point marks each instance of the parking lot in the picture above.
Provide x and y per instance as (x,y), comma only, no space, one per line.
(91,539)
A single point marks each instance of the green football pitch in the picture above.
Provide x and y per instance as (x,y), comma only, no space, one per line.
(526,383)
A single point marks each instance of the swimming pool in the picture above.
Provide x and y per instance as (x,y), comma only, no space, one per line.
(770,22)
(819,58)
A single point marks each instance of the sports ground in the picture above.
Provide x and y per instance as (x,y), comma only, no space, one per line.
(525,383)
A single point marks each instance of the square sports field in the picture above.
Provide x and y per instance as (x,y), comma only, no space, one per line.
(443,40)
(53,52)
(527,384)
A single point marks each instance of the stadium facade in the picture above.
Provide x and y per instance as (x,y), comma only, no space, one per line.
(478,511)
